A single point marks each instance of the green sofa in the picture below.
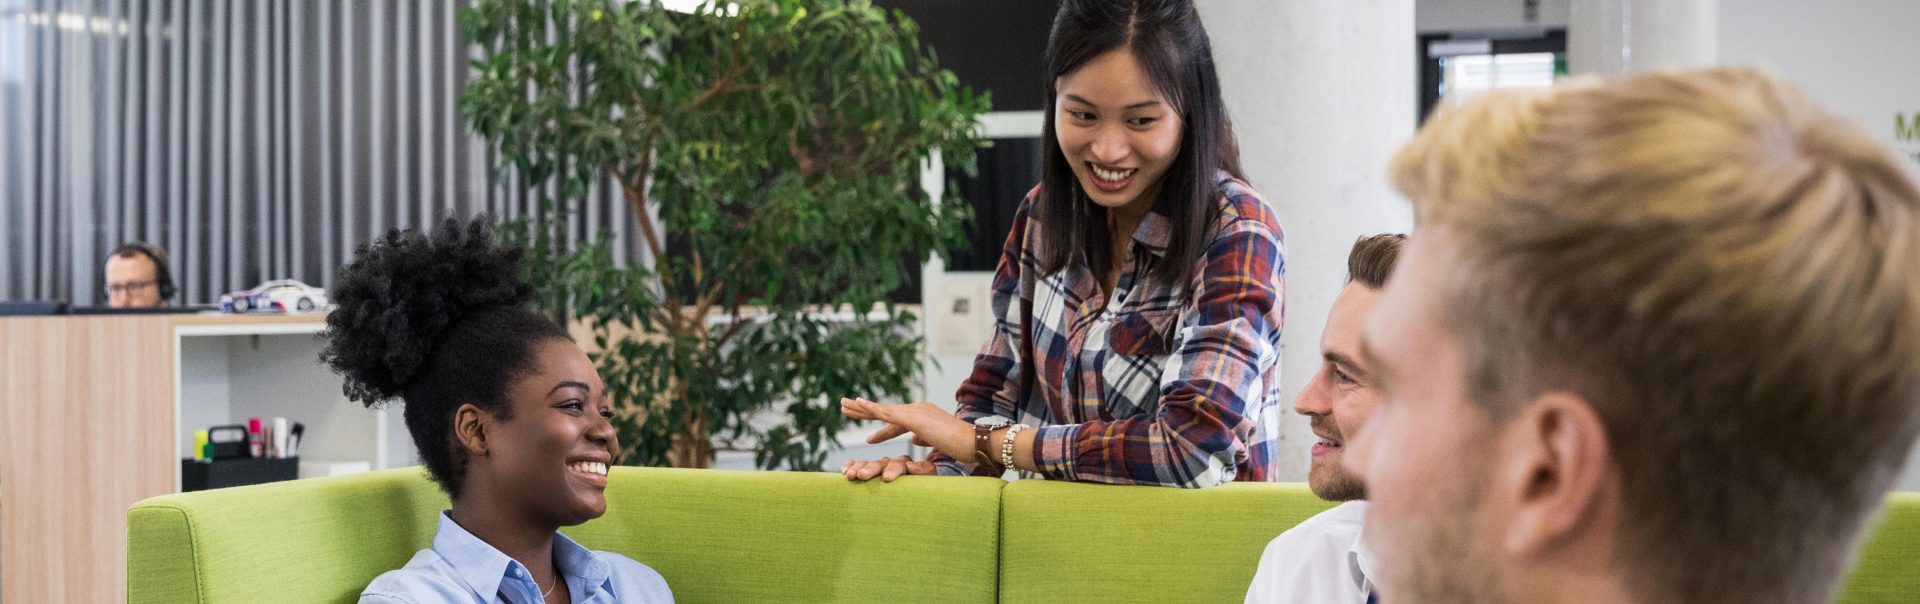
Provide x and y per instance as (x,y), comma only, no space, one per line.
(800,537)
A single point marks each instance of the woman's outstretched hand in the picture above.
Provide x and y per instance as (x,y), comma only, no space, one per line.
(887,469)
(930,426)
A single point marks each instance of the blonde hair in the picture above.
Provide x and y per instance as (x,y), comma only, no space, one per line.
(1729,274)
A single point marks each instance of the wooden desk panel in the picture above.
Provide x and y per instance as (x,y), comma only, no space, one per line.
(86,429)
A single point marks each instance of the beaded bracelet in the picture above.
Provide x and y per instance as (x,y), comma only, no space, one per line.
(1006,447)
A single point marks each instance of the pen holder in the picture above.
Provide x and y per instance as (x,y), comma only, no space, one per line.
(202,475)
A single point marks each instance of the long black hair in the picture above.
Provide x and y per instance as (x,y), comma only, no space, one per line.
(1166,37)
(436,321)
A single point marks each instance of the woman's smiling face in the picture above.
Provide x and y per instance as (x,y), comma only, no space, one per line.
(553,454)
(1116,129)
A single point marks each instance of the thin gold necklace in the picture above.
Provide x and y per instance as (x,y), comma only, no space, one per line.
(549,589)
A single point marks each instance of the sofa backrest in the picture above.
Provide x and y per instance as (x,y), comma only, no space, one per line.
(1887,568)
(721,536)
(716,537)
(802,537)
(1079,542)
(1074,542)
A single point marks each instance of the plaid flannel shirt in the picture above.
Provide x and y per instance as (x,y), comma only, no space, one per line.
(1150,390)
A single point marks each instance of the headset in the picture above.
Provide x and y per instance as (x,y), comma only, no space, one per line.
(162,275)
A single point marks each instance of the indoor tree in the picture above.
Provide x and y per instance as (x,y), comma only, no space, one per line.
(770,151)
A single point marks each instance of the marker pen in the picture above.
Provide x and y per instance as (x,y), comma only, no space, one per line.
(293,439)
(279,437)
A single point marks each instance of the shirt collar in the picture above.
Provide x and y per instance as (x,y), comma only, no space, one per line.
(1359,555)
(480,565)
(483,567)
(1153,233)
(576,560)
(1156,230)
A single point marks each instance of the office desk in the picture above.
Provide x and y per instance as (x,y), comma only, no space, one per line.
(96,412)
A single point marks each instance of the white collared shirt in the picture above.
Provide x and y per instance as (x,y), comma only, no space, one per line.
(1320,561)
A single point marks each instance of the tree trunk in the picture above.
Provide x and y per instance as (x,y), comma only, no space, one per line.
(692,448)
(693,444)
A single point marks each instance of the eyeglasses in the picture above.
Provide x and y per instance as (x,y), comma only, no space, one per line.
(128,287)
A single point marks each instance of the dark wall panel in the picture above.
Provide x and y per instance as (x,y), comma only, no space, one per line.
(992,45)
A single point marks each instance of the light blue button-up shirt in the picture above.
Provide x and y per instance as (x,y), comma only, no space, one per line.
(462,568)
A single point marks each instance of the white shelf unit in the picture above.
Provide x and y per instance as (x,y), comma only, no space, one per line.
(228,372)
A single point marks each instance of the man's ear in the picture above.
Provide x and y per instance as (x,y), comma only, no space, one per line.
(470,424)
(1555,472)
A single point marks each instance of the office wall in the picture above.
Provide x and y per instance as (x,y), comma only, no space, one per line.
(1489,15)
(991,45)
(1860,58)
(1321,94)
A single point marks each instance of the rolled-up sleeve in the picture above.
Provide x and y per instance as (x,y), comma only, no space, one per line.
(993,386)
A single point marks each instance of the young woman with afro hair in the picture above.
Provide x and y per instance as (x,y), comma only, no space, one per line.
(507,412)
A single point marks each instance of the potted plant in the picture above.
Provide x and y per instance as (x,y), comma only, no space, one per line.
(770,151)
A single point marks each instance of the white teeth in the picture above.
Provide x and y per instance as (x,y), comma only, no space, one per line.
(1111,176)
(589,467)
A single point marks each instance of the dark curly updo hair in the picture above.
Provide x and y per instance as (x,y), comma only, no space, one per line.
(436,321)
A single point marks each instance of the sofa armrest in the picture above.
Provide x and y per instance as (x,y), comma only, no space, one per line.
(317,540)
(160,556)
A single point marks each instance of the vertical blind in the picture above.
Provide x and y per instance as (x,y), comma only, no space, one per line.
(252,140)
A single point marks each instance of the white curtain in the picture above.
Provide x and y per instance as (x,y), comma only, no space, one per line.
(253,140)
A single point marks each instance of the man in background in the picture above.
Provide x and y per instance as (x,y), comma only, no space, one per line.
(137,277)
(1322,560)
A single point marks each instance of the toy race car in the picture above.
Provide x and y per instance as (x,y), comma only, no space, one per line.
(284,295)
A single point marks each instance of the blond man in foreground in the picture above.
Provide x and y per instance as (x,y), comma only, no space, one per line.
(1656,340)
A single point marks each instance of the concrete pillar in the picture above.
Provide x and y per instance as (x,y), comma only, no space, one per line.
(1617,37)
(1321,94)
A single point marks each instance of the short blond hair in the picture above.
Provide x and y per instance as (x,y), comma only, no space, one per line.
(1729,274)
